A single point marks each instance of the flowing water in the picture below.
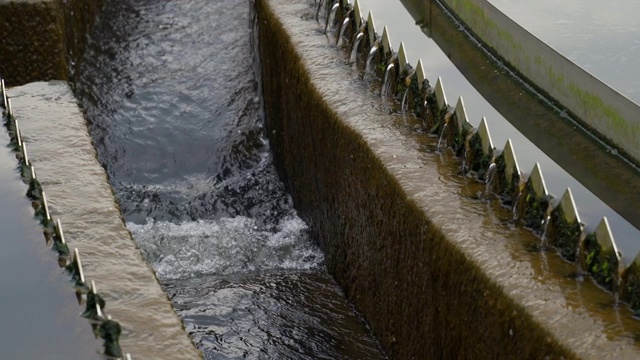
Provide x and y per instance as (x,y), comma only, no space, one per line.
(171,93)
(568,157)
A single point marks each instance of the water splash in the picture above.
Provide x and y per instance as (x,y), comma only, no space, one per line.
(331,18)
(354,48)
(444,128)
(490,175)
(386,82)
(405,105)
(318,11)
(225,246)
(465,160)
(543,236)
(368,69)
(515,207)
(344,26)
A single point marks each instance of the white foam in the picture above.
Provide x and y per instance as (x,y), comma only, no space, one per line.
(225,246)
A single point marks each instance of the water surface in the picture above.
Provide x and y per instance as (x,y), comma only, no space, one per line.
(604,40)
(171,93)
(40,314)
(537,133)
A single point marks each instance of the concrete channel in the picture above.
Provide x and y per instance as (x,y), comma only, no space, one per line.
(61,152)
(419,260)
(413,252)
(138,320)
(36,298)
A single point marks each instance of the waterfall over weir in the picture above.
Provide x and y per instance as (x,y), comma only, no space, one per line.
(171,94)
(397,221)
(435,265)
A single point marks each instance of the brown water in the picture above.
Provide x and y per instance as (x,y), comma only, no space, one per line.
(171,93)
(39,311)
(601,183)
(576,310)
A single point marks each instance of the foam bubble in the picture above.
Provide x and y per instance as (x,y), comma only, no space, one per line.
(225,246)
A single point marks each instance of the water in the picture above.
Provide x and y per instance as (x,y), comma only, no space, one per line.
(328,27)
(171,94)
(568,157)
(354,48)
(224,247)
(372,53)
(386,82)
(345,23)
(605,41)
(444,128)
(277,313)
(38,304)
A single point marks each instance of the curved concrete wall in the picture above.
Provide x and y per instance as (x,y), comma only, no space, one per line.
(429,278)
(43,40)
(600,107)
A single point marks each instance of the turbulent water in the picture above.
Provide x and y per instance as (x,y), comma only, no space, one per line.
(171,92)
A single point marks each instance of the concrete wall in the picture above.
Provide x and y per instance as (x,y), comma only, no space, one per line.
(43,40)
(78,193)
(598,106)
(429,278)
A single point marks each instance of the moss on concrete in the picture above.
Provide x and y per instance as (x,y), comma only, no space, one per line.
(423,298)
(532,208)
(564,235)
(630,290)
(478,160)
(43,40)
(602,265)
(508,191)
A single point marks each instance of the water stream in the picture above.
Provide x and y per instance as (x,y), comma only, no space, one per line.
(171,93)
(602,40)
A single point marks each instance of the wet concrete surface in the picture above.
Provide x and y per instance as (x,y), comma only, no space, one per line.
(60,149)
(436,269)
(601,183)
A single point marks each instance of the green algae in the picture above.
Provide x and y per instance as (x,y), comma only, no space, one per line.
(564,235)
(601,265)
(478,161)
(508,191)
(535,208)
(436,120)
(630,291)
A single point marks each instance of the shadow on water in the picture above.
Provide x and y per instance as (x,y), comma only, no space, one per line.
(171,94)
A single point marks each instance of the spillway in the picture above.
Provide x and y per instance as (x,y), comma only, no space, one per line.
(247,217)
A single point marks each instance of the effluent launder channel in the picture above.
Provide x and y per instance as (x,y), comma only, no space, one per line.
(171,93)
